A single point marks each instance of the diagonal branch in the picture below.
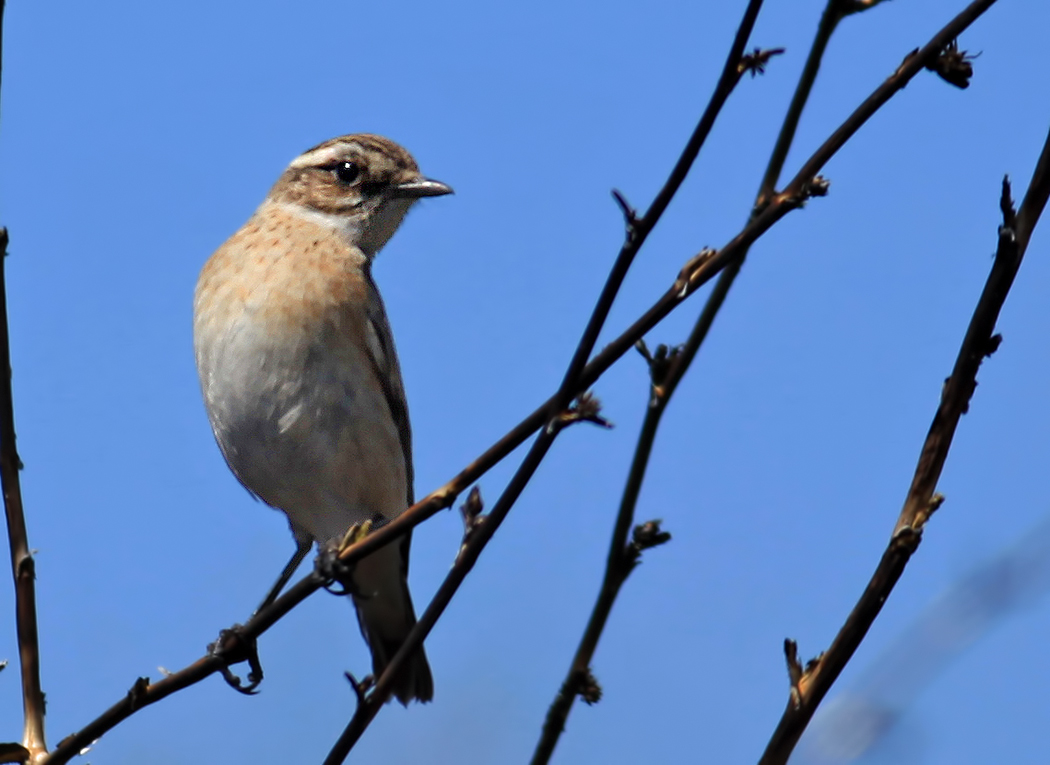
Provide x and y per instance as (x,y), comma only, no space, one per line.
(638,229)
(809,686)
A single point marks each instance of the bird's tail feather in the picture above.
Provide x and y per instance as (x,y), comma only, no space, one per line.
(386,615)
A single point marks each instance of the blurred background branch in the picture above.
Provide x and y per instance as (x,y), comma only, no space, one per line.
(861,718)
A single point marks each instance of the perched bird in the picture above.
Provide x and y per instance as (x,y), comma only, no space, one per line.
(299,373)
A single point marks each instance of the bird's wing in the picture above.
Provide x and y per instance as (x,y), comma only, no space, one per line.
(383,356)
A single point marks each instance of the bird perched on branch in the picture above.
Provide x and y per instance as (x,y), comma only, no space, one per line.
(299,373)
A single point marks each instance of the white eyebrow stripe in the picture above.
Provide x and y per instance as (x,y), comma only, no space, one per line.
(321,156)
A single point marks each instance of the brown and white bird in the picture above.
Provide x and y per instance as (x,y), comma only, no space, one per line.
(299,373)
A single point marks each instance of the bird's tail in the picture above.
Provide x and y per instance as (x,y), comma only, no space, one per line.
(385,612)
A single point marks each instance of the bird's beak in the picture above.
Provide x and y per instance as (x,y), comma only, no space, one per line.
(424,187)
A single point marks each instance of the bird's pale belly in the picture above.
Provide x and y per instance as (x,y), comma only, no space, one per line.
(303,432)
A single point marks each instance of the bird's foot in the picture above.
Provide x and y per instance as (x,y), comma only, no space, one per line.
(233,647)
(338,576)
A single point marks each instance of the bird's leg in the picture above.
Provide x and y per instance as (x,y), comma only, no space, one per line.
(302,548)
(233,646)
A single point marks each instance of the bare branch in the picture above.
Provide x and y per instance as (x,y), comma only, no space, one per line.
(618,567)
(622,558)
(921,501)
(834,12)
(641,228)
(911,66)
(1034,199)
(22,565)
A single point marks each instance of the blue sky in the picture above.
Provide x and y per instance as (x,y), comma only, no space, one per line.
(136,137)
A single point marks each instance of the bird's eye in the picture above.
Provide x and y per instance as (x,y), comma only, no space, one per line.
(347,172)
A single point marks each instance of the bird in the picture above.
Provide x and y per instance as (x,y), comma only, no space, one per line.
(300,377)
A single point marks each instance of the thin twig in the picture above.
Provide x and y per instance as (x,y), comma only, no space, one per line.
(912,64)
(22,565)
(921,501)
(829,21)
(638,229)
(697,272)
(619,564)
